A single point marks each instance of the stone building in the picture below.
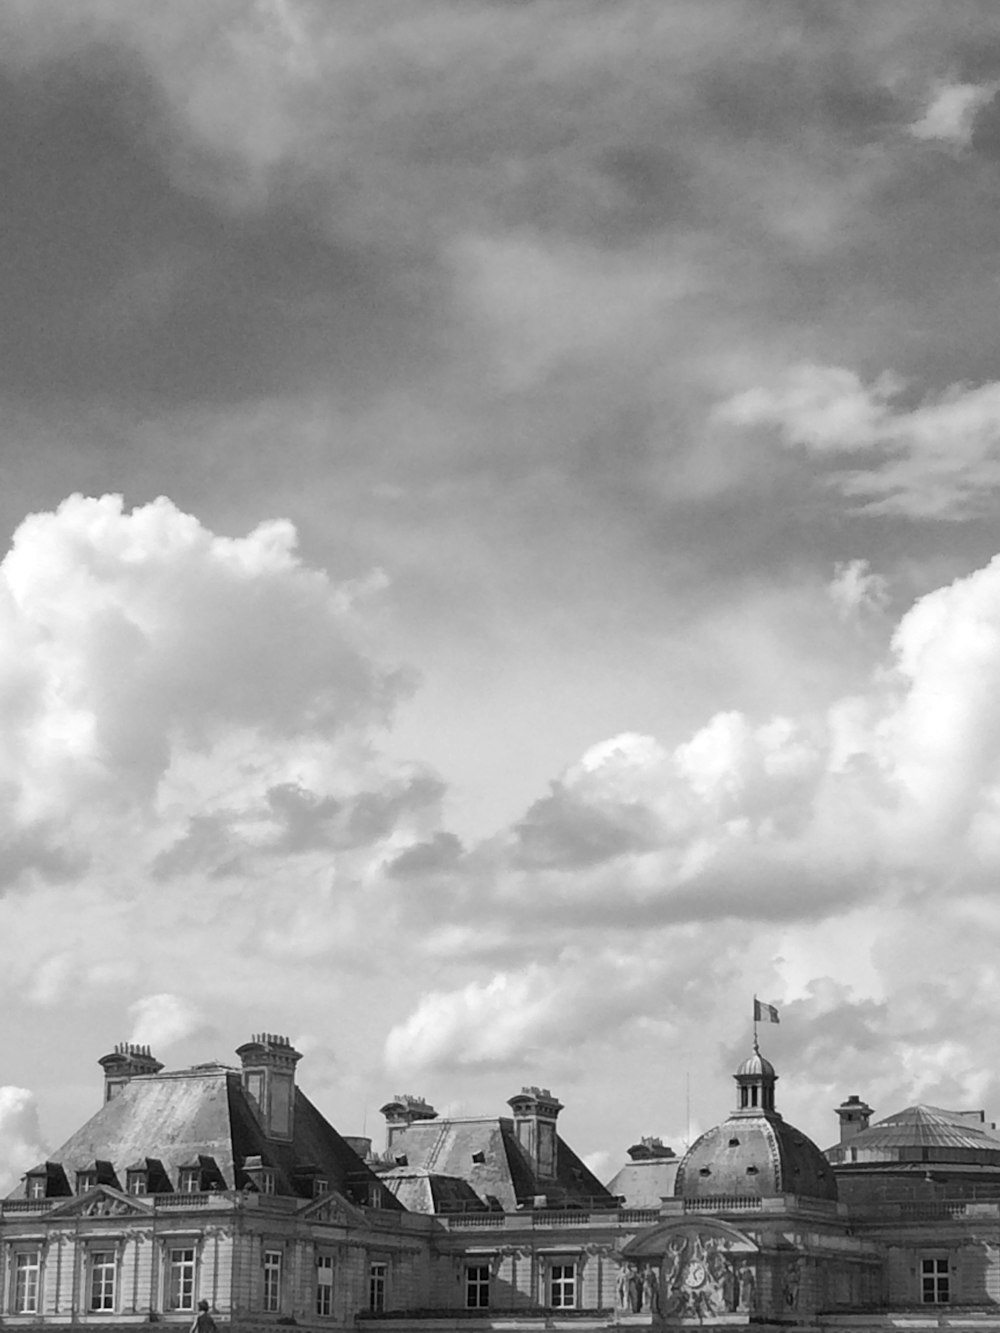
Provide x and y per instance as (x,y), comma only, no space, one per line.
(226,1185)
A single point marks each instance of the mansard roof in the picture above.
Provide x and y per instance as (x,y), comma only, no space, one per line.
(421,1191)
(485,1153)
(181,1117)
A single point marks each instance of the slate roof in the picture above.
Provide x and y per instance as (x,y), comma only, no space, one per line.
(646,1182)
(484,1152)
(182,1116)
(422,1191)
(757,1155)
(921,1134)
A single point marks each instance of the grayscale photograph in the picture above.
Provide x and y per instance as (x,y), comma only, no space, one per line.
(499,665)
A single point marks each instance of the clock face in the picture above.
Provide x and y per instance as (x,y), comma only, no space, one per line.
(695,1276)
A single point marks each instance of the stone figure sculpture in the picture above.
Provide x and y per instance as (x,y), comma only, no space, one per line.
(747,1287)
(650,1290)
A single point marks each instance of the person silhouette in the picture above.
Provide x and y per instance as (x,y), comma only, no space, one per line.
(203,1321)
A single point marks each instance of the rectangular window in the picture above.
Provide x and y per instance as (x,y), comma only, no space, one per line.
(376,1286)
(85,1180)
(136,1182)
(266,1182)
(935,1287)
(190,1179)
(180,1279)
(324,1284)
(102,1279)
(477,1287)
(272,1281)
(320,1186)
(36,1187)
(27,1271)
(562,1286)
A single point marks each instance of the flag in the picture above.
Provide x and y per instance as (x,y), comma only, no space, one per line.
(764,1013)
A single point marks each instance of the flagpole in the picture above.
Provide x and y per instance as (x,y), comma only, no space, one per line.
(756,1048)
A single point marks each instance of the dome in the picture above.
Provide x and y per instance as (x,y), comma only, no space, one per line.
(754,1154)
(921,1134)
(758,1156)
(756,1066)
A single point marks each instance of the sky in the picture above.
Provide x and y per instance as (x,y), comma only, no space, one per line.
(500,522)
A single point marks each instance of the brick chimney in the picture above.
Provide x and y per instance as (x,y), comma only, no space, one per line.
(535,1113)
(401,1112)
(126,1061)
(854,1117)
(269,1081)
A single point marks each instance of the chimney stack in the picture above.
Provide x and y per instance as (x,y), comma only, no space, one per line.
(126,1061)
(269,1081)
(535,1113)
(401,1112)
(854,1117)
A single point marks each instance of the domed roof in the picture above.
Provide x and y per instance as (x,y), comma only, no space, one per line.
(757,1156)
(756,1066)
(754,1153)
(923,1134)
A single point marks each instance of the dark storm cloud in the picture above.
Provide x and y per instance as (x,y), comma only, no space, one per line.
(116,283)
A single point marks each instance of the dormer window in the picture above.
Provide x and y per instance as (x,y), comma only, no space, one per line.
(320,1186)
(85,1180)
(189,1180)
(35,1187)
(137,1182)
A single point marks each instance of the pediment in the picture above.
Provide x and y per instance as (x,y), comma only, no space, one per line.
(684,1233)
(332,1208)
(102,1201)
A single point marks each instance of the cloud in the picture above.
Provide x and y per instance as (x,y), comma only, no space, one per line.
(144,660)
(161,1020)
(652,868)
(518,1020)
(951,112)
(20,1135)
(856,591)
(937,460)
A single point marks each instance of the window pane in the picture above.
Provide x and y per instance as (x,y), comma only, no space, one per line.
(562,1286)
(180,1280)
(376,1287)
(272,1281)
(26,1273)
(324,1284)
(102,1280)
(477,1287)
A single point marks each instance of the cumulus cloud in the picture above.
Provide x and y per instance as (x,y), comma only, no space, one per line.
(146,663)
(937,460)
(517,1020)
(161,1020)
(651,868)
(20,1135)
